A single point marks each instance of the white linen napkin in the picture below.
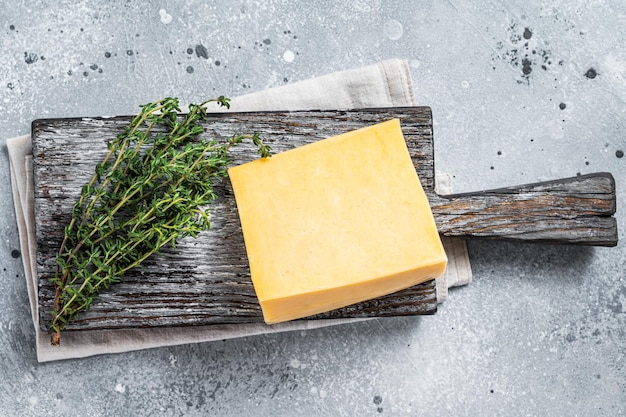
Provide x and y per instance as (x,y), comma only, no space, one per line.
(385,84)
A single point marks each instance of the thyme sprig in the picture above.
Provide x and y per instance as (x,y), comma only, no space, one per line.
(152,188)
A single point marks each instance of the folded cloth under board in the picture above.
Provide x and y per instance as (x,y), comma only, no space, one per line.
(385,84)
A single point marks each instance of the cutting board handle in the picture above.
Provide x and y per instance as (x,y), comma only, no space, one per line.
(570,210)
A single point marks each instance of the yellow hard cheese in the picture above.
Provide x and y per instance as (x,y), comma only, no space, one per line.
(336,222)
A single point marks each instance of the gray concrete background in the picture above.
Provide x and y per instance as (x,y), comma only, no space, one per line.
(521,91)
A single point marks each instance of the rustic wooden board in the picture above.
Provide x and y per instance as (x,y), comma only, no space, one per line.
(204,280)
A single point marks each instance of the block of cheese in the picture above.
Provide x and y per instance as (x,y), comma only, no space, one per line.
(336,222)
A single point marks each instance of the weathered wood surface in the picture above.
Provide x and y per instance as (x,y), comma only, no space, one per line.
(204,280)
(571,210)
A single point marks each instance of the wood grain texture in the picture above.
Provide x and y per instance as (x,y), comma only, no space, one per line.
(204,280)
(571,210)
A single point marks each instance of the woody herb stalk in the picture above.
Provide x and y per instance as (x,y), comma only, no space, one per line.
(150,190)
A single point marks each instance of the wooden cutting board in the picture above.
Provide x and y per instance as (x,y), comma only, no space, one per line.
(206,280)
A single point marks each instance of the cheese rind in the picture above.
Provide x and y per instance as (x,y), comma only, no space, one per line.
(336,222)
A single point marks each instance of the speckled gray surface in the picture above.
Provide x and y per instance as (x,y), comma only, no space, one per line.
(521,91)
